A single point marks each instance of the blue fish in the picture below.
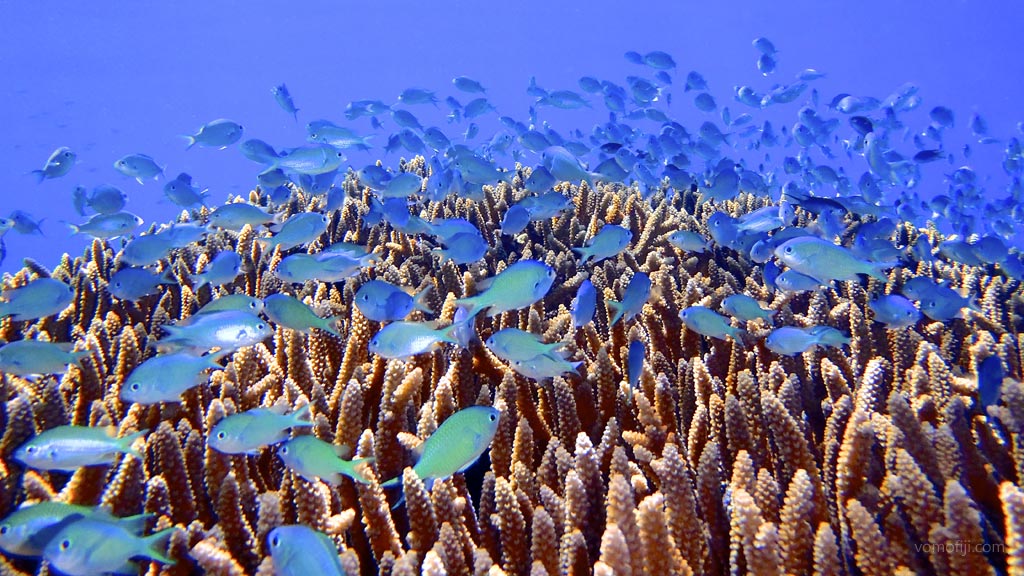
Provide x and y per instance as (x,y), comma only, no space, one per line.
(584,304)
(990,381)
(633,299)
(284,100)
(635,361)
(384,302)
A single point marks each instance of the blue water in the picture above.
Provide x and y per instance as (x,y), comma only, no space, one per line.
(115,78)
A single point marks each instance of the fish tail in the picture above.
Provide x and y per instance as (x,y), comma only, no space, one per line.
(355,469)
(417,300)
(190,140)
(154,542)
(739,336)
(302,416)
(583,252)
(125,444)
(199,281)
(74,228)
(616,309)
(39,175)
(328,325)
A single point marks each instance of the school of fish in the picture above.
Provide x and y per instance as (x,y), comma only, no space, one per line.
(515,258)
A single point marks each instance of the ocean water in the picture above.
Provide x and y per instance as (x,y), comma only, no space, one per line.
(119,78)
(650,394)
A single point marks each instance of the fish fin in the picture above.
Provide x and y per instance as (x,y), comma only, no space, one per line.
(616,309)
(584,252)
(190,141)
(358,467)
(302,416)
(125,443)
(135,524)
(73,227)
(739,336)
(329,325)
(417,300)
(158,540)
(39,175)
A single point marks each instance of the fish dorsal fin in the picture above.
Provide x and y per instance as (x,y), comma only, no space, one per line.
(279,409)
(342,451)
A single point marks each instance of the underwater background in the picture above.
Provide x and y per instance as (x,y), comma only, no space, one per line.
(636,288)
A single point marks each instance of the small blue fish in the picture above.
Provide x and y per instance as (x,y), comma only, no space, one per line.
(464,248)
(25,223)
(219,133)
(314,459)
(27,530)
(384,302)
(635,361)
(68,448)
(824,260)
(456,444)
(413,96)
(584,304)
(182,235)
(226,330)
(564,166)
(793,281)
(990,381)
(689,241)
(135,283)
(633,299)
(95,546)
(146,250)
(407,339)
(60,162)
(310,160)
(745,308)
(105,227)
(237,215)
(511,344)
(39,298)
(258,151)
(139,166)
(609,241)
(181,192)
(515,220)
(292,313)
(545,366)
(468,85)
(106,199)
(284,100)
(326,267)
(518,286)
(301,551)
(250,431)
(30,357)
(790,340)
(165,377)
(300,229)
(707,322)
(894,311)
(223,269)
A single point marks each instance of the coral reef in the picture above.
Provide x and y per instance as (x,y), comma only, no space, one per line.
(722,458)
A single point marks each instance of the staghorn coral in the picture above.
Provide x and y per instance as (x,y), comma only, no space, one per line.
(723,458)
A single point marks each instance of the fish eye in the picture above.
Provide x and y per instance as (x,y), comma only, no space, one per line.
(366,297)
(135,386)
(260,326)
(789,249)
(3,529)
(31,449)
(493,417)
(284,450)
(252,305)
(221,435)
(65,544)
(275,541)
